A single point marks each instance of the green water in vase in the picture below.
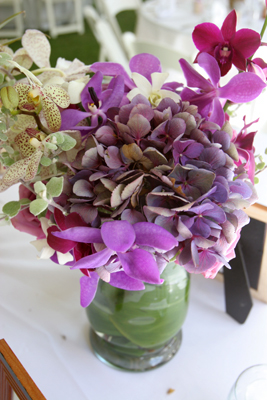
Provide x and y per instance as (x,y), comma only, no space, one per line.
(139,330)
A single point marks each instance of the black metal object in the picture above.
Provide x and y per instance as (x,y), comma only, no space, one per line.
(238,299)
(245,271)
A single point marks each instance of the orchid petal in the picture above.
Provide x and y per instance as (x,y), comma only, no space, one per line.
(142,84)
(149,234)
(70,118)
(123,281)
(242,88)
(169,94)
(246,41)
(206,36)
(158,79)
(95,260)
(210,65)
(145,64)
(118,235)
(112,69)
(81,234)
(116,95)
(88,287)
(96,83)
(139,264)
(217,113)
(59,96)
(229,26)
(193,78)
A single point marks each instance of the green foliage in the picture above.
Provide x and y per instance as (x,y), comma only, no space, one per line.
(55,186)
(12,208)
(37,206)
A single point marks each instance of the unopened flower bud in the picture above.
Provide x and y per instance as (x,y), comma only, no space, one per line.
(9,97)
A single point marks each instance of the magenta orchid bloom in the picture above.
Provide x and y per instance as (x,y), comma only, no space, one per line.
(225,44)
(258,67)
(125,249)
(242,88)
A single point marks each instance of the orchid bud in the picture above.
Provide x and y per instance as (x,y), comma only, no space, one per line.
(10,97)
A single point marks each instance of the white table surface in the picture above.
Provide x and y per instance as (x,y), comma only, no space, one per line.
(42,321)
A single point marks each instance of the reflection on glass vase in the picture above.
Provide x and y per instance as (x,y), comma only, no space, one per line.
(140,330)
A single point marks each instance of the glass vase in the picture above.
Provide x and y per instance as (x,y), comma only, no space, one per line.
(140,330)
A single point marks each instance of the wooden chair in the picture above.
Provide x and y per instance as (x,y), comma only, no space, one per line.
(14,377)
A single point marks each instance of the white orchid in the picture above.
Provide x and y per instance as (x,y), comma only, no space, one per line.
(152,91)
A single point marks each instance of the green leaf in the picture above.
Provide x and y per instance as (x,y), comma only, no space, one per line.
(58,137)
(55,186)
(7,20)
(68,144)
(50,146)
(2,126)
(24,202)
(1,79)
(3,136)
(39,187)
(261,165)
(8,149)
(37,206)
(12,208)
(45,161)
(8,161)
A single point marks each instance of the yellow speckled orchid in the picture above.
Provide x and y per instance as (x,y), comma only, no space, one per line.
(36,98)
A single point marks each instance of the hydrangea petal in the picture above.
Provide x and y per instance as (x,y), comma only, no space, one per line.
(118,235)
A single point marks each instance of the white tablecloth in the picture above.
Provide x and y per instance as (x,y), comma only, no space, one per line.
(42,321)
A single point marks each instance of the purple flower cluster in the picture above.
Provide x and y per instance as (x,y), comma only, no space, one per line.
(155,183)
(160,174)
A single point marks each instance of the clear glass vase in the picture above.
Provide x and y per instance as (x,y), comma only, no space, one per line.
(140,330)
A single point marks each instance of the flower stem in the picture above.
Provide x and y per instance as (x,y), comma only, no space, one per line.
(263,27)
(38,121)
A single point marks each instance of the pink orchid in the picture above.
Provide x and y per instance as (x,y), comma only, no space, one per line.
(225,44)
(242,88)
(258,67)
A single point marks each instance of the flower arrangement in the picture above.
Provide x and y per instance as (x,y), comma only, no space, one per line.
(121,174)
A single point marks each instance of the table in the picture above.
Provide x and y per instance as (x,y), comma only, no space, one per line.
(174,26)
(42,321)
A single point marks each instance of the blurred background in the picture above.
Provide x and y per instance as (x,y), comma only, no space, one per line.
(73,25)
